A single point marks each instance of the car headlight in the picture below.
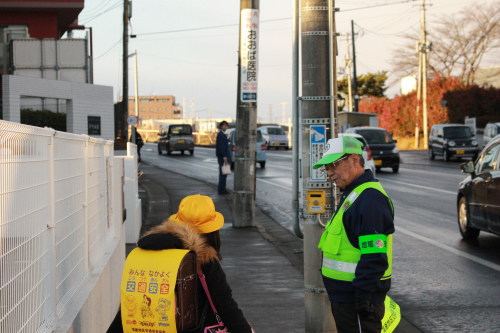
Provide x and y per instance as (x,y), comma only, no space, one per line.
(474,143)
(451,143)
(395,150)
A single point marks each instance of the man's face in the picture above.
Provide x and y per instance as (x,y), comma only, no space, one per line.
(224,127)
(342,172)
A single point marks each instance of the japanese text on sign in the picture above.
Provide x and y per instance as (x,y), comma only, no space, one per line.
(249,50)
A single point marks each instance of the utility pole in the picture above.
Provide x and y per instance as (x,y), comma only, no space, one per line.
(423,48)
(354,74)
(124,108)
(316,122)
(347,65)
(246,115)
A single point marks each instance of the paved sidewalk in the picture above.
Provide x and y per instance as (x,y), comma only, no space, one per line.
(262,264)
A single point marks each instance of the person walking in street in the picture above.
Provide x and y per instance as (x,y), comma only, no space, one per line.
(223,155)
(196,227)
(357,242)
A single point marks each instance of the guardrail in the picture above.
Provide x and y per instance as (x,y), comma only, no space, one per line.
(61,204)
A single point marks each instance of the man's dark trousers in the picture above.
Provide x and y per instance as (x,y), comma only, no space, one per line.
(222,178)
(346,318)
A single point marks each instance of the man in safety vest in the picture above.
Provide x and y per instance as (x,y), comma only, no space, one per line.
(357,242)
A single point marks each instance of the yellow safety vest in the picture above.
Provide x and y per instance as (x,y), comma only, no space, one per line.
(147,290)
(340,258)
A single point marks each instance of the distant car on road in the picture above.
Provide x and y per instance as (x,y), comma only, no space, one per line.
(175,137)
(478,199)
(275,137)
(452,140)
(490,131)
(385,153)
(260,147)
(367,152)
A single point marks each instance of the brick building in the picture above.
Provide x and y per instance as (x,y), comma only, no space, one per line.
(156,107)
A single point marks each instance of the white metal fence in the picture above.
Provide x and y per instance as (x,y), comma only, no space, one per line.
(60,209)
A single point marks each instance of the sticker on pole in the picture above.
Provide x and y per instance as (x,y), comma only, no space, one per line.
(317,140)
(249,40)
(132,120)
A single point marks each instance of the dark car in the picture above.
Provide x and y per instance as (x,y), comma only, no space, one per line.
(385,153)
(452,140)
(176,137)
(478,199)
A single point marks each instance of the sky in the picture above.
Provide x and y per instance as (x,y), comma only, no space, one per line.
(188,48)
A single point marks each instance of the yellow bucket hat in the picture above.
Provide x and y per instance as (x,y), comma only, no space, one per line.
(199,211)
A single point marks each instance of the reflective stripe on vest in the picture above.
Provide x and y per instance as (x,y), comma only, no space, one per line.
(340,258)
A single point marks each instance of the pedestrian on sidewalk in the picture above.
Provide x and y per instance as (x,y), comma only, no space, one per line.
(196,227)
(223,155)
(357,242)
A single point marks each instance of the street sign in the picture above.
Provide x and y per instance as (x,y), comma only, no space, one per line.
(317,139)
(132,120)
(249,50)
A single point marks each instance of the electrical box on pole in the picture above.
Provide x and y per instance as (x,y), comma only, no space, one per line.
(246,116)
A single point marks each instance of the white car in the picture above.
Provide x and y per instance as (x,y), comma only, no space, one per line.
(367,152)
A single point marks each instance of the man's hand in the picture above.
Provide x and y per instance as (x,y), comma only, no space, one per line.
(225,159)
(363,307)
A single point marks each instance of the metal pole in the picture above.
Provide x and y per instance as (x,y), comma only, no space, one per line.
(246,116)
(295,118)
(136,86)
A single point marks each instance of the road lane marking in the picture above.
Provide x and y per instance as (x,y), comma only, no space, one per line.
(274,184)
(418,186)
(448,248)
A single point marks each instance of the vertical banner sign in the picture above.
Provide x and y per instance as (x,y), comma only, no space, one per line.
(249,49)
(317,140)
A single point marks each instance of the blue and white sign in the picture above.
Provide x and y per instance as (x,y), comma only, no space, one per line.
(317,140)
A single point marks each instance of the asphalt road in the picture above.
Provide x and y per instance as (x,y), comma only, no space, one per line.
(442,283)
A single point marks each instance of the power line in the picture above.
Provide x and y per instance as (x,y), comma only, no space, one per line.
(112,47)
(373,6)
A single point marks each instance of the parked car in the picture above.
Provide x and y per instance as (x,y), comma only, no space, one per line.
(490,131)
(260,147)
(367,152)
(385,153)
(175,137)
(478,199)
(452,140)
(274,137)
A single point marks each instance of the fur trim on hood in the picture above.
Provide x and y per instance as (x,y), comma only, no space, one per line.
(191,239)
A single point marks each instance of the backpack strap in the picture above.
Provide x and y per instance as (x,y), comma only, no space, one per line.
(207,292)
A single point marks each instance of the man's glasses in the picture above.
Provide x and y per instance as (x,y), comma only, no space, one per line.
(333,166)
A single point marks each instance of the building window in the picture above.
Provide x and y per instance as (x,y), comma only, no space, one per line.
(177,111)
(159,109)
(151,109)
(144,100)
(143,109)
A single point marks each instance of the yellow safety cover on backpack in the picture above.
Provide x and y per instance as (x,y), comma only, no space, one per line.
(147,290)
(392,315)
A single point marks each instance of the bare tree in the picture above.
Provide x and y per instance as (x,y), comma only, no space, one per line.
(459,43)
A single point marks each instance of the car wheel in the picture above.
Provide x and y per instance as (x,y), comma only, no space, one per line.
(182,152)
(159,150)
(431,154)
(463,223)
(262,165)
(378,169)
(446,156)
(395,169)
(191,152)
(169,152)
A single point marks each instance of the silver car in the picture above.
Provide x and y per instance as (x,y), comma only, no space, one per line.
(260,147)
(275,137)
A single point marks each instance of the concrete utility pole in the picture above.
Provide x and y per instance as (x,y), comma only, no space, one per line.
(317,121)
(246,116)
(423,48)
(347,65)
(354,74)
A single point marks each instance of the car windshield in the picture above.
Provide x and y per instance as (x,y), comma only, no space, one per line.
(180,130)
(375,137)
(275,131)
(457,132)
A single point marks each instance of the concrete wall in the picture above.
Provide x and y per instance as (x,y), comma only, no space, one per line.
(82,100)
